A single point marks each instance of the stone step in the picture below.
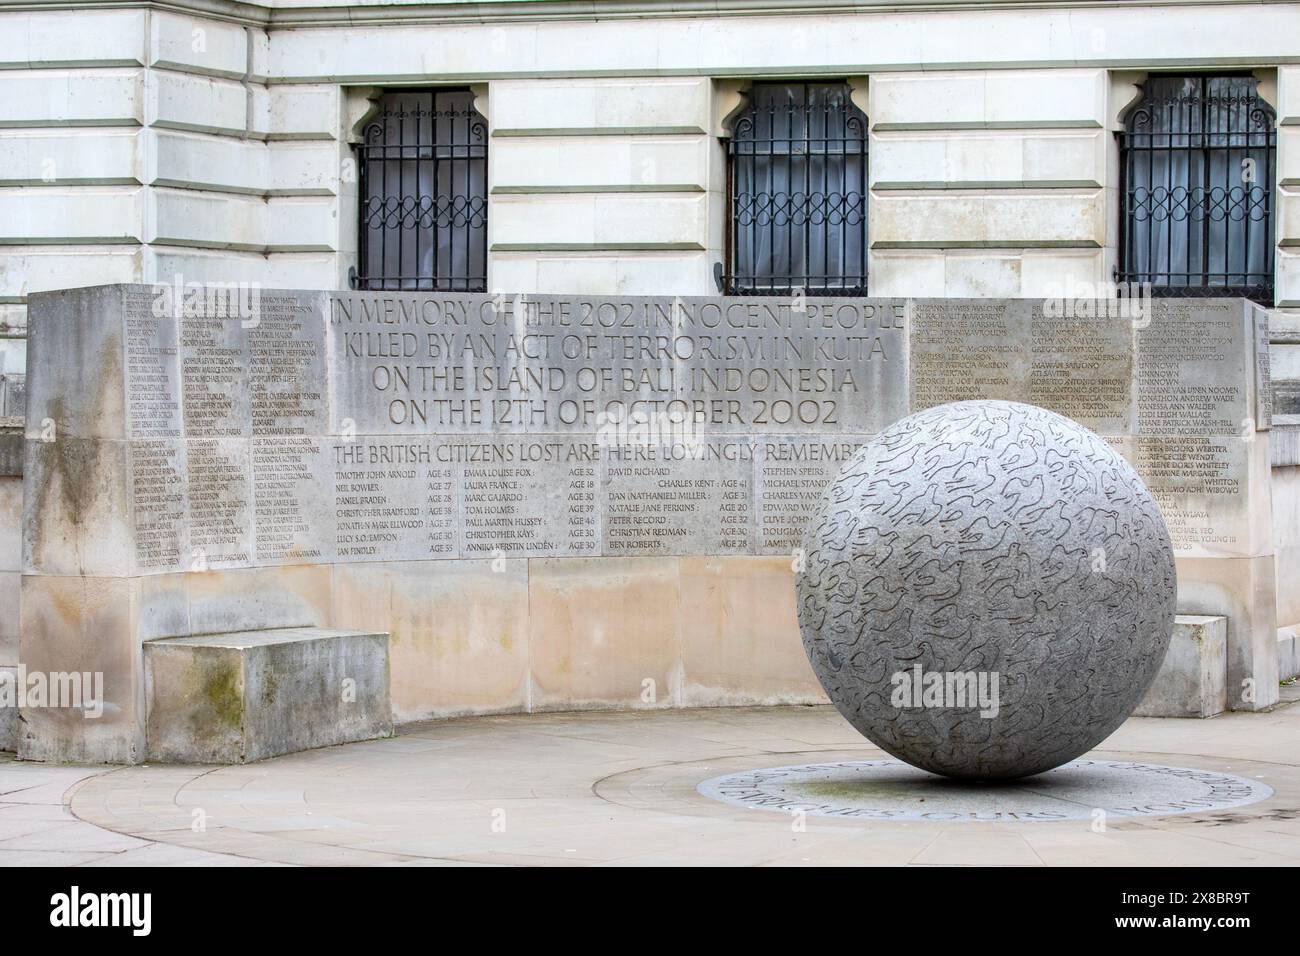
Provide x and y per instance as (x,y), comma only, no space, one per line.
(246,695)
(1193,680)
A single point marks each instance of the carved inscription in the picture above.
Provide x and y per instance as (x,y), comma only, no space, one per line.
(1171,388)
(326,427)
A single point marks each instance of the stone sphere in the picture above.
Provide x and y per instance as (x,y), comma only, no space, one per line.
(988,590)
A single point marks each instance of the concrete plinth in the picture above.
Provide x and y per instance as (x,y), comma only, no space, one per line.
(1192,682)
(238,697)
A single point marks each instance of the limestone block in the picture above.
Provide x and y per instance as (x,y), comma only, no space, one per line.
(11,515)
(609,163)
(946,159)
(1284,444)
(627,273)
(981,276)
(1288,94)
(109,97)
(250,598)
(61,38)
(244,696)
(899,273)
(648,104)
(191,218)
(1192,680)
(72,342)
(84,626)
(76,507)
(1286,538)
(302,223)
(1013,218)
(903,39)
(606,221)
(71,215)
(1286,278)
(68,157)
(284,270)
(259,44)
(604,633)
(10,589)
(8,715)
(298,111)
(203,161)
(162,603)
(11,512)
(222,164)
(201,103)
(1288,155)
(30,269)
(302,169)
(1242,590)
(631,273)
(987,99)
(1052,273)
(245,223)
(459,633)
(198,45)
(739,634)
(967,272)
(1285,361)
(1288,216)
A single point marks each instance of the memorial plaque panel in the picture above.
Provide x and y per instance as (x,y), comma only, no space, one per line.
(790,473)
(377,427)
(220,520)
(1081,366)
(1192,370)
(406,364)
(152,367)
(1201,484)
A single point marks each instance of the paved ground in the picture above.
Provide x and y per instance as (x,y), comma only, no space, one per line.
(580,789)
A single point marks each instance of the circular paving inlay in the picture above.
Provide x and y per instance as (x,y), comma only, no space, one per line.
(891,790)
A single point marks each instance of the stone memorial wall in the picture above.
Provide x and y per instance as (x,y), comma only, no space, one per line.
(511,485)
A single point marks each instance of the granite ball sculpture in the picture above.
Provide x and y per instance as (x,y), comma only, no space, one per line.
(988,590)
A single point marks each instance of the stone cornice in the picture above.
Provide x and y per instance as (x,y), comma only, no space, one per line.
(274,14)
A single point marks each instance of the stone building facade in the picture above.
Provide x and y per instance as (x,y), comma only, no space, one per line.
(216,141)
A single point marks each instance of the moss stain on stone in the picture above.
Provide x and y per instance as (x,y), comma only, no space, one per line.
(270,686)
(224,695)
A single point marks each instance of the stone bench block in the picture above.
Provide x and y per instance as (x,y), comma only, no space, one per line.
(1193,680)
(242,696)
(1288,652)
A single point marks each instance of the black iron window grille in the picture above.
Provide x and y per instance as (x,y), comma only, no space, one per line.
(422,191)
(1197,163)
(797,188)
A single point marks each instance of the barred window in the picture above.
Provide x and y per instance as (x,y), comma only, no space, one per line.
(797,185)
(422,187)
(1197,164)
